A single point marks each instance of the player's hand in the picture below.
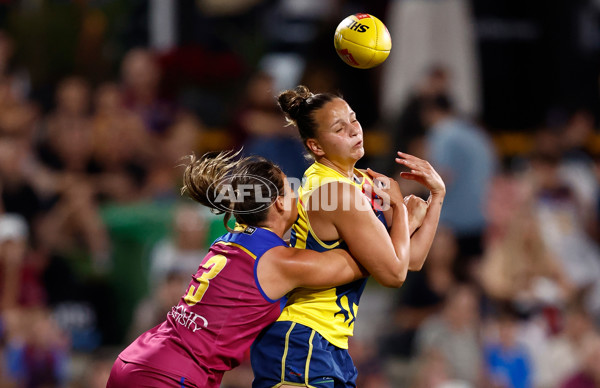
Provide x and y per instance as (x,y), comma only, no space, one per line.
(421,171)
(417,209)
(386,188)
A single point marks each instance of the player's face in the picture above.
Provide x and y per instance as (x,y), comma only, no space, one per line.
(339,133)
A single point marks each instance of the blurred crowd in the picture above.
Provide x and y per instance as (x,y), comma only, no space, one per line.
(97,244)
(116,143)
(509,295)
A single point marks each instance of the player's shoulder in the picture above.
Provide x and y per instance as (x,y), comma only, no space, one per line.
(254,240)
(334,192)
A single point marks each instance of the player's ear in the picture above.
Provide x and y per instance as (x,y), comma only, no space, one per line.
(314,146)
(279,204)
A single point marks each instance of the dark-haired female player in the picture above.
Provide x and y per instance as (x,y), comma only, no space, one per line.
(239,284)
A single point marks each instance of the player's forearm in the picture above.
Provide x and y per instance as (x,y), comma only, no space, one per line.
(339,265)
(400,235)
(413,225)
(421,240)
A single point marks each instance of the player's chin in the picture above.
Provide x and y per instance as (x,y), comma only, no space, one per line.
(358,152)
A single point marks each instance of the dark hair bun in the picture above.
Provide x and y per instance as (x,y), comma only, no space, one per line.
(292,102)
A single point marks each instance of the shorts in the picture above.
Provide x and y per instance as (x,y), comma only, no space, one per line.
(126,374)
(294,354)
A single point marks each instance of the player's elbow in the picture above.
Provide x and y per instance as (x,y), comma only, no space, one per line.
(414,267)
(416,263)
(395,280)
(398,275)
(395,277)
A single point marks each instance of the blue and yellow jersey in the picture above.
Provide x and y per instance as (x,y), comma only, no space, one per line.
(331,312)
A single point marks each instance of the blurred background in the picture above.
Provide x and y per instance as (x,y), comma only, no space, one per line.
(100,99)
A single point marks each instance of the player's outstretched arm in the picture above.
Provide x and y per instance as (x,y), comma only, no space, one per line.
(282,269)
(422,172)
(351,218)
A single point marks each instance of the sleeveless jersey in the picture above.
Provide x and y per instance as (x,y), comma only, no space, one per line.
(331,312)
(219,316)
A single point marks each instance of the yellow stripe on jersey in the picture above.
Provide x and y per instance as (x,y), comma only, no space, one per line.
(284,359)
(308,357)
(252,255)
(285,351)
(331,312)
(304,239)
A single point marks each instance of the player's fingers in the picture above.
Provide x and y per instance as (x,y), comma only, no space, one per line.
(380,180)
(406,162)
(409,156)
(375,174)
(422,163)
(407,176)
(412,159)
(413,198)
(412,165)
(411,175)
(379,191)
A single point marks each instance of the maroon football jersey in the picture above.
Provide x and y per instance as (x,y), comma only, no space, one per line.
(218,317)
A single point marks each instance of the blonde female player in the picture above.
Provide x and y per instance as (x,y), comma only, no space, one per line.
(307,346)
(238,288)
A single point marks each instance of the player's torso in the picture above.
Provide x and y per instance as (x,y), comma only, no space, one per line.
(332,312)
(220,314)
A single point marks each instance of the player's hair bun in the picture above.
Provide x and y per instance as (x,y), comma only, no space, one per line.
(293,102)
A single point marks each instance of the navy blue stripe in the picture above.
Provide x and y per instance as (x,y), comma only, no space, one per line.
(182,382)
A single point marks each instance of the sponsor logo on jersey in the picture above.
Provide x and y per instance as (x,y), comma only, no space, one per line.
(250,230)
(188,319)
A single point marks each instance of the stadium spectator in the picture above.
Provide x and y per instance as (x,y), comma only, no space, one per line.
(507,362)
(466,159)
(454,332)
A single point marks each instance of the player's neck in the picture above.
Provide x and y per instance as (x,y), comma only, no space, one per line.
(275,225)
(346,169)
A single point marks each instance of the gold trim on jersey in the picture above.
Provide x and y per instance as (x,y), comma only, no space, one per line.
(304,223)
(306,366)
(237,246)
(309,356)
(242,227)
(285,350)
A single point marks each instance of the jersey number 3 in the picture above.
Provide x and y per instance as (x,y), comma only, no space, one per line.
(214,265)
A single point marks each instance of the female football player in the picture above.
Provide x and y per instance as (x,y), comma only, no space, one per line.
(308,345)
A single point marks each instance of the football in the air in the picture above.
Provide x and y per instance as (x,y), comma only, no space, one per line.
(362,41)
